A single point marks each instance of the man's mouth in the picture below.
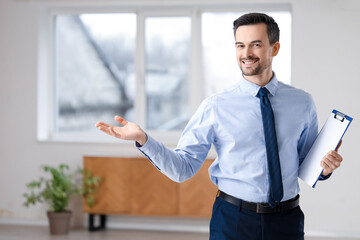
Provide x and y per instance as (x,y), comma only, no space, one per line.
(249,62)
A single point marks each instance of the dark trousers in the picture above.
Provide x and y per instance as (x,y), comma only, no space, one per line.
(230,222)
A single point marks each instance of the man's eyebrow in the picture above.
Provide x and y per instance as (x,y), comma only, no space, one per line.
(255,41)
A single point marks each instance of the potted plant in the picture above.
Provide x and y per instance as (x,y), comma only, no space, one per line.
(57,189)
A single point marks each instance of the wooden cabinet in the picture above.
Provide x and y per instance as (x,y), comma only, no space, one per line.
(197,195)
(134,186)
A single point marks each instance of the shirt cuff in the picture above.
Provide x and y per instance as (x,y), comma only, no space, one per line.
(150,147)
(138,145)
(147,149)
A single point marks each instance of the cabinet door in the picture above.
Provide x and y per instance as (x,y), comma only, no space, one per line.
(197,195)
(152,193)
(114,192)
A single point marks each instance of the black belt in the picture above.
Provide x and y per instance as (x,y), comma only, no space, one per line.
(261,207)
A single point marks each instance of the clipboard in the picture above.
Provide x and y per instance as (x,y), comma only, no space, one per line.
(327,139)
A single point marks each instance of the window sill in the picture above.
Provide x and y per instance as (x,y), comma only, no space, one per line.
(168,138)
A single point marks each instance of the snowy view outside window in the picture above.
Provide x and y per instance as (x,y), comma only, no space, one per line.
(167,44)
(95,67)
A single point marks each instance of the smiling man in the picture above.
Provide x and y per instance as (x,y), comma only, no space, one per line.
(262,130)
(255,51)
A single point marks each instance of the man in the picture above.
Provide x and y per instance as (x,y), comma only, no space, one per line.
(262,129)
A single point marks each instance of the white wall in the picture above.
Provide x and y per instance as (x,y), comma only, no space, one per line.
(324,62)
(325,52)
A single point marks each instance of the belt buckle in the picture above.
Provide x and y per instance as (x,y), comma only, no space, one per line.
(277,208)
(261,208)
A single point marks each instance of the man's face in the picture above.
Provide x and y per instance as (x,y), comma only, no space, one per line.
(253,50)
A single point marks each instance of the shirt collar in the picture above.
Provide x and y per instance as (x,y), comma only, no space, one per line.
(253,89)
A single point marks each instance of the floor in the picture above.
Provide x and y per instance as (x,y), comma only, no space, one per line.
(16,232)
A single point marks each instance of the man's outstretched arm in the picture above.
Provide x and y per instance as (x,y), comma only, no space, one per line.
(186,159)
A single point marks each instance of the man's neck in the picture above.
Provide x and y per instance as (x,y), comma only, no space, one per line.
(261,79)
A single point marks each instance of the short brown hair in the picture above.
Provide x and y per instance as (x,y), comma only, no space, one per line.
(273,30)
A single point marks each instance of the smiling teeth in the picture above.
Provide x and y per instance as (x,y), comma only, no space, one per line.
(248,62)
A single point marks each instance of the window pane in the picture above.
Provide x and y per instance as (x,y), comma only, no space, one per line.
(94,69)
(220,65)
(167,43)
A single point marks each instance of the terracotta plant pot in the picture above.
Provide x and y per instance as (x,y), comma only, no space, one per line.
(59,222)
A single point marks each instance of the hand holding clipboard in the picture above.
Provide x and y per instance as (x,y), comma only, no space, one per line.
(328,139)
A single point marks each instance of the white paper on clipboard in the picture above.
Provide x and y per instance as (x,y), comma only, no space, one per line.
(327,139)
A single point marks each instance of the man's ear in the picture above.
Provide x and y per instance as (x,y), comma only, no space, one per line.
(276,48)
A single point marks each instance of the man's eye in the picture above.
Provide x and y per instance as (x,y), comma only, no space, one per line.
(257,45)
(240,46)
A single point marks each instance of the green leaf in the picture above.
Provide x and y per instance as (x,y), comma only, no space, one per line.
(59,185)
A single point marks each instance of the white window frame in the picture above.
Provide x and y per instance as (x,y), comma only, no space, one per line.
(46,87)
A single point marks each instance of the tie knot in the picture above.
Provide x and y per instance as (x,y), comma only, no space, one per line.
(263,92)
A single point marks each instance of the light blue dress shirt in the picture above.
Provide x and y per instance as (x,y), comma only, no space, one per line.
(232,122)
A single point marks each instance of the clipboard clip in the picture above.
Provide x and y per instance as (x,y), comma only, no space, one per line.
(340,116)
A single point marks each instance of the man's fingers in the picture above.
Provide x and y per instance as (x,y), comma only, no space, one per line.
(335,157)
(121,120)
(98,124)
(113,132)
(327,169)
(331,161)
(102,124)
(104,129)
(330,164)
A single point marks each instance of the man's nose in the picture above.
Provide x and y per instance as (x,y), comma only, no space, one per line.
(247,52)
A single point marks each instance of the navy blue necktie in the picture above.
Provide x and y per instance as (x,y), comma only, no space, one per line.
(272,151)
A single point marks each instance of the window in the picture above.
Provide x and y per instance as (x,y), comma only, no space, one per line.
(167,72)
(94,69)
(153,68)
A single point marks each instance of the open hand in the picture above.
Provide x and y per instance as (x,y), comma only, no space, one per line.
(129,131)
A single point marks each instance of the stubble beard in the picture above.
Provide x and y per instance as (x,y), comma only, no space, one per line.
(253,71)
